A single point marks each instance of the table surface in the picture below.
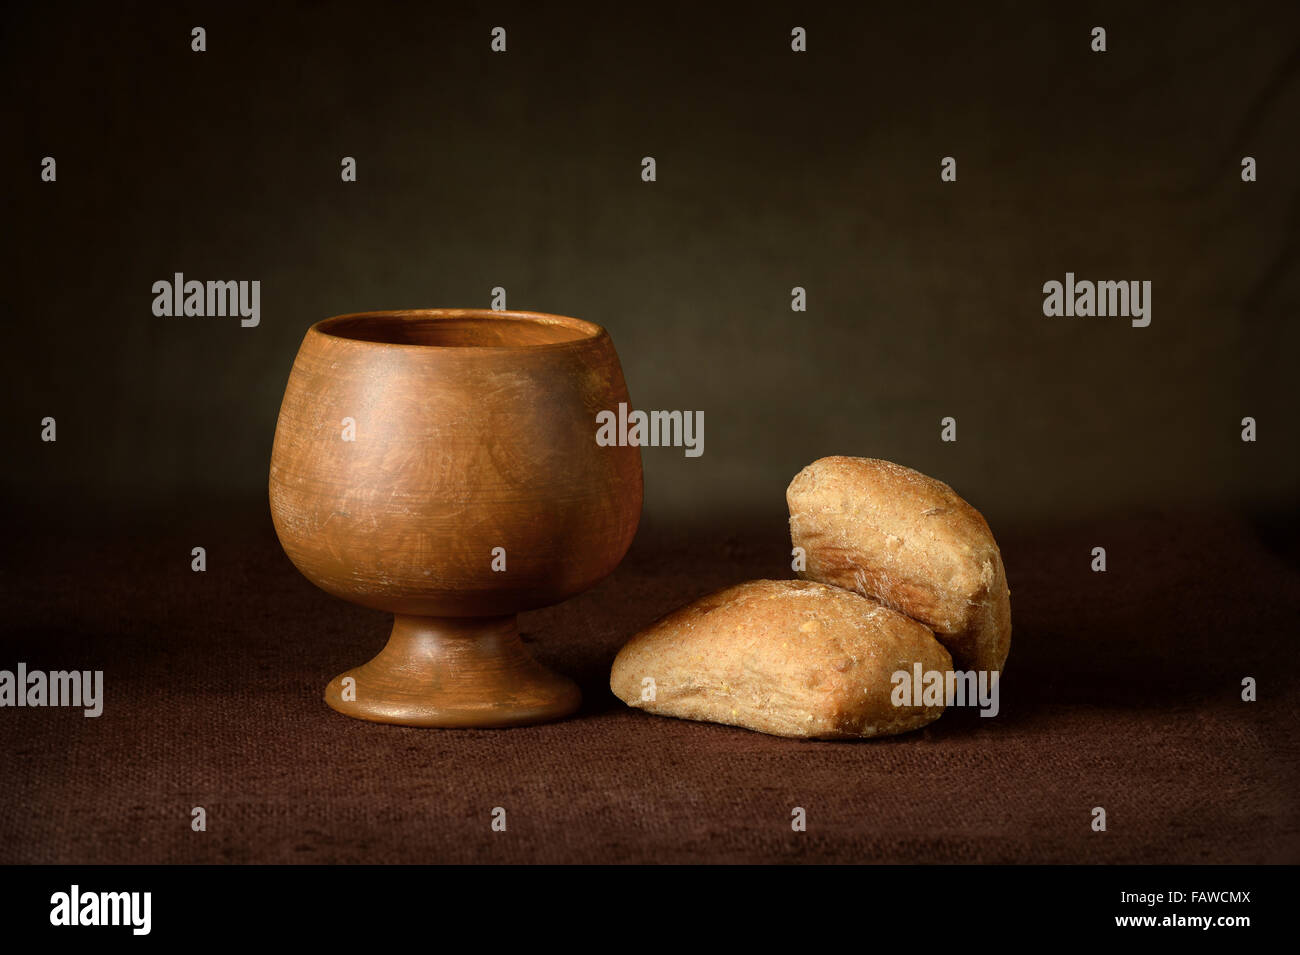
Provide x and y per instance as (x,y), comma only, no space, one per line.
(1123,690)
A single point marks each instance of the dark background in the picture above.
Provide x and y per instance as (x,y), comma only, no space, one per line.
(775,169)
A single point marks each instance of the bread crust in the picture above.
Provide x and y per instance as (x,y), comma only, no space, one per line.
(893,534)
(785,657)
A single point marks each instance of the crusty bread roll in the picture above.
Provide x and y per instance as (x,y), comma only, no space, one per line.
(907,540)
(786,657)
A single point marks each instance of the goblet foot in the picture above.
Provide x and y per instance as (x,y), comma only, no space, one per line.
(454,672)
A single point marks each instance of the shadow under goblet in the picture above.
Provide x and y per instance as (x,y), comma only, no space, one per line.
(441,465)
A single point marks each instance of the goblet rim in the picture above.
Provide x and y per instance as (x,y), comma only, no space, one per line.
(587,331)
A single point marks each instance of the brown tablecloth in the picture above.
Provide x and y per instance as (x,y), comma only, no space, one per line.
(1123,691)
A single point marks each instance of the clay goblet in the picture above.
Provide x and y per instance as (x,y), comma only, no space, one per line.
(442,465)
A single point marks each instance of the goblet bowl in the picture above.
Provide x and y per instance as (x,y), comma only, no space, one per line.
(442,465)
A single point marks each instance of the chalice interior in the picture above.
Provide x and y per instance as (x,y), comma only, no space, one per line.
(442,465)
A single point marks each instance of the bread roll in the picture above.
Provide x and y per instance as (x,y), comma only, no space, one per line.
(786,657)
(907,540)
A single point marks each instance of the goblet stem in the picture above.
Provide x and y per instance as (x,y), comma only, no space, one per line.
(453,672)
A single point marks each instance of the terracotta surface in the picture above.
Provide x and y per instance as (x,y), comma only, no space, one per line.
(472,489)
